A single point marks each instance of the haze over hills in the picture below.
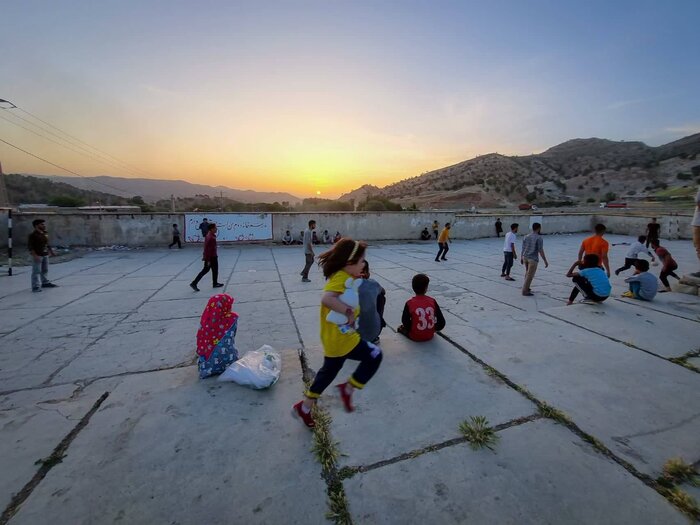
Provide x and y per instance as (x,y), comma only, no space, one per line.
(152,190)
(576,171)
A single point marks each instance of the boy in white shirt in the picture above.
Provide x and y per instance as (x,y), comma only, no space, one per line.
(633,254)
(509,254)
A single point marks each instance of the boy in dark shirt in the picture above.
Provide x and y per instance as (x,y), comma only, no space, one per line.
(372,302)
(421,316)
(38,245)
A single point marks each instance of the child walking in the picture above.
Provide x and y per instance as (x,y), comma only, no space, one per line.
(345,260)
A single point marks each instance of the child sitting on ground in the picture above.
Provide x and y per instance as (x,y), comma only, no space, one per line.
(643,285)
(372,302)
(421,316)
(591,280)
(345,260)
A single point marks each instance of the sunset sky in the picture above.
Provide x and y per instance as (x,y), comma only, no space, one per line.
(307,96)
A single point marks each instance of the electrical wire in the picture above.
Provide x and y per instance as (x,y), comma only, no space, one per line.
(61,167)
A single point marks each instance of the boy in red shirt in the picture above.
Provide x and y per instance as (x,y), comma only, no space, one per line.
(421,316)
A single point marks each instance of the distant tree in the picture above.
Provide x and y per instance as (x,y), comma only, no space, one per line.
(531,196)
(137,200)
(610,196)
(684,176)
(67,201)
(590,199)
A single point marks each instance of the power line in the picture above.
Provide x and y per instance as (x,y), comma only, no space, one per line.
(88,155)
(83,151)
(128,166)
(61,167)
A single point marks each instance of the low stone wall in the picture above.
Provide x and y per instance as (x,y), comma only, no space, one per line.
(672,226)
(155,229)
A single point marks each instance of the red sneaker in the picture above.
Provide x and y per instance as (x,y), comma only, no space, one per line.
(347,398)
(305,417)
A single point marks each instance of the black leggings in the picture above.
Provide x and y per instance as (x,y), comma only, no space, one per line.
(584,285)
(444,248)
(665,273)
(369,359)
(629,263)
(212,264)
(507,262)
(176,240)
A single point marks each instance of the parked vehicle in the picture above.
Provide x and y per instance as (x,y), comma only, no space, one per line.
(613,204)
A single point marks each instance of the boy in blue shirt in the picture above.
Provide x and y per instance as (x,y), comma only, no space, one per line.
(591,280)
(643,285)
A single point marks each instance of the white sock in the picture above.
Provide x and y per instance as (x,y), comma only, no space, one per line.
(304,409)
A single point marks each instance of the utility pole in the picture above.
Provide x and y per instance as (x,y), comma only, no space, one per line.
(221,201)
(4,197)
(172,203)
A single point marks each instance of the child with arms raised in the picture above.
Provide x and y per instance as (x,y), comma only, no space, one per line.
(345,260)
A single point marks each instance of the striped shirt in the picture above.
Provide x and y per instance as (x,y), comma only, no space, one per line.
(532,246)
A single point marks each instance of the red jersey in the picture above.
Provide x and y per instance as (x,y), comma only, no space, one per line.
(424,318)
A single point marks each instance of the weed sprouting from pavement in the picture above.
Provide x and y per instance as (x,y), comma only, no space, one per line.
(678,471)
(477,431)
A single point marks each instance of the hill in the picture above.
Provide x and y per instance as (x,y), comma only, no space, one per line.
(578,170)
(152,190)
(24,189)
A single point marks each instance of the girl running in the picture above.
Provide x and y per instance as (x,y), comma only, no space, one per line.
(346,259)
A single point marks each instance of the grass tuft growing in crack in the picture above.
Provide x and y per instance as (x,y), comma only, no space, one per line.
(683,502)
(678,471)
(325,449)
(477,431)
(550,412)
(337,505)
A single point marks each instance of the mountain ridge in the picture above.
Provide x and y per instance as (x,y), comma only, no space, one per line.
(579,169)
(156,189)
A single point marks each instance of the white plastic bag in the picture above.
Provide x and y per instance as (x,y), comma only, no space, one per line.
(257,369)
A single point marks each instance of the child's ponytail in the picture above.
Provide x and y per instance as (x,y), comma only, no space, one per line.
(344,252)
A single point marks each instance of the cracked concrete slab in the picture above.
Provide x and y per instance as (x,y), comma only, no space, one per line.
(640,406)
(419,396)
(538,473)
(644,408)
(235,451)
(663,335)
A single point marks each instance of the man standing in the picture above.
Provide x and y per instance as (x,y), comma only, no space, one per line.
(696,230)
(499,227)
(442,243)
(595,244)
(204,227)
(533,247)
(436,227)
(176,237)
(211,260)
(38,245)
(509,254)
(308,251)
(653,231)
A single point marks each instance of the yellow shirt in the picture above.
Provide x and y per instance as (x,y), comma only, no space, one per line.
(444,235)
(335,343)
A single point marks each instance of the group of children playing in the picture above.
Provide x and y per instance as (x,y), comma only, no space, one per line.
(421,316)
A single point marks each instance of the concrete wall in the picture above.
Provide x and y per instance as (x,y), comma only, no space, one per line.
(95,229)
(672,226)
(155,229)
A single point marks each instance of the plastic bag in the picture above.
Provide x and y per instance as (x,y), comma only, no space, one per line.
(257,369)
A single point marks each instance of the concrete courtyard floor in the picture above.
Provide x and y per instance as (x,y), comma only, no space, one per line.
(101,371)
